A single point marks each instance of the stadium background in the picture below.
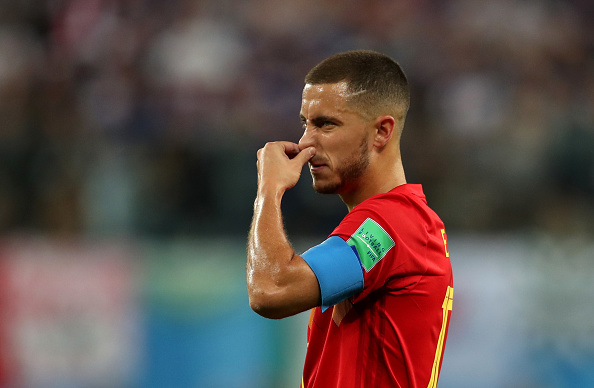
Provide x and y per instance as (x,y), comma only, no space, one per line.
(128,133)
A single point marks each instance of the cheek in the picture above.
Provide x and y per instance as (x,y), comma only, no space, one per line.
(339,158)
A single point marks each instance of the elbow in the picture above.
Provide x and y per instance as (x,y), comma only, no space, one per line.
(265,310)
(267,305)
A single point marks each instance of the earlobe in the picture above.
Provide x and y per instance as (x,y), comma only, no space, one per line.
(384,130)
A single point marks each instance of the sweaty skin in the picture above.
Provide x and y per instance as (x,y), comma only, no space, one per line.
(356,156)
(280,283)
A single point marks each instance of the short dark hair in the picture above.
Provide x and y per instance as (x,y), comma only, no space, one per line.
(377,83)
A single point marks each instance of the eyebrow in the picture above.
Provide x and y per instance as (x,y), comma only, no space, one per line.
(321,118)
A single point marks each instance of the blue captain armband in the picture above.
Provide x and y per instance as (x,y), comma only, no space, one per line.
(338,269)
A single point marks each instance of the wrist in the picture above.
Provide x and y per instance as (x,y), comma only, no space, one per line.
(269,194)
(270,190)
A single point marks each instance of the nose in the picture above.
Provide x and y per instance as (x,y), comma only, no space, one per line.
(307,139)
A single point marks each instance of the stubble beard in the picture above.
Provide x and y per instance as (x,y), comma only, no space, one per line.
(348,172)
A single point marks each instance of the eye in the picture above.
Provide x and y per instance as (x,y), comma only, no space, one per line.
(324,123)
(303,121)
(327,125)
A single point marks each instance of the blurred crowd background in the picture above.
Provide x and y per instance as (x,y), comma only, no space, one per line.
(142,117)
(136,122)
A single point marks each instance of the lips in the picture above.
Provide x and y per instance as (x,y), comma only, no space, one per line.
(316,165)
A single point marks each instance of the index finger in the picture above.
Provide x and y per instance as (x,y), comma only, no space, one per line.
(291,149)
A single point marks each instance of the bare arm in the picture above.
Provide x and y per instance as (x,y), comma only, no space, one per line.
(279,282)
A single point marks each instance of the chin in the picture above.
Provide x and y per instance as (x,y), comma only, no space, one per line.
(326,188)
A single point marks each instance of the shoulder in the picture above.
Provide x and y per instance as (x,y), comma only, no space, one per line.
(401,211)
(407,196)
(404,200)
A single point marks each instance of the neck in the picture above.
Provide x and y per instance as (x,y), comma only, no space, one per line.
(376,180)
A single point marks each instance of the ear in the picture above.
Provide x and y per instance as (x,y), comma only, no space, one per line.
(384,130)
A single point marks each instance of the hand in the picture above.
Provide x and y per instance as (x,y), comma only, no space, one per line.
(280,164)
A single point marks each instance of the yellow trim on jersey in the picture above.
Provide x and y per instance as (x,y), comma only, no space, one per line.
(444,236)
(446,306)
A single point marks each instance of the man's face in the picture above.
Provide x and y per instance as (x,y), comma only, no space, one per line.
(339,134)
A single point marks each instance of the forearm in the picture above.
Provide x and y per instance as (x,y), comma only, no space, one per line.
(269,251)
(279,282)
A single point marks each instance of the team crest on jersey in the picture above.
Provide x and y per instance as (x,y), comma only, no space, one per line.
(371,242)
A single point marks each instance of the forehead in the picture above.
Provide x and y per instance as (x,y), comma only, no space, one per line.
(325,97)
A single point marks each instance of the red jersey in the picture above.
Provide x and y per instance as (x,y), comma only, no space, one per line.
(393,332)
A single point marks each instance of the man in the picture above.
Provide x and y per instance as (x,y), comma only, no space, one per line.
(380,287)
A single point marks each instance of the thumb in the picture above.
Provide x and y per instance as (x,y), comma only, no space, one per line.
(305,155)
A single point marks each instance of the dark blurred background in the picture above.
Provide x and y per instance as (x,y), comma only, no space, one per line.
(128,135)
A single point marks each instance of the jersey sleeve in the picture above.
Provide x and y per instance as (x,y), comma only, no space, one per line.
(377,246)
(337,268)
(383,248)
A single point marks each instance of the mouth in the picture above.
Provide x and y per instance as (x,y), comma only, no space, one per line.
(316,166)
